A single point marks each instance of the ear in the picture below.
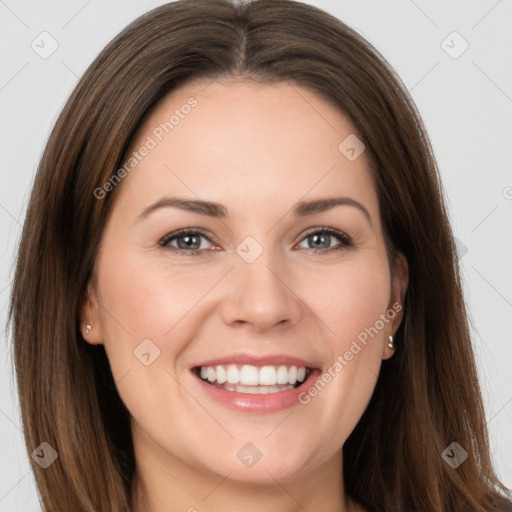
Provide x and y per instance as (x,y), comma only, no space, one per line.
(396,303)
(90,316)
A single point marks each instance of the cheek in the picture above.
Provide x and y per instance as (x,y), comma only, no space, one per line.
(349,297)
(144,321)
(147,298)
(139,310)
(352,302)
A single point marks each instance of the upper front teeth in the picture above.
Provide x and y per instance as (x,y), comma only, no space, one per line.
(252,375)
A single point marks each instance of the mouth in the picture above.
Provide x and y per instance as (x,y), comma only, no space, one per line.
(253,380)
(255,383)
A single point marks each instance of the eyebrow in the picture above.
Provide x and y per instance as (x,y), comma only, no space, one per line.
(216,210)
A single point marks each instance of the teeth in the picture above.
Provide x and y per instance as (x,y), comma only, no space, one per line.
(248,375)
(232,374)
(211,374)
(221,374)
(292,375)
(282,375)
(267,376)
(255,390)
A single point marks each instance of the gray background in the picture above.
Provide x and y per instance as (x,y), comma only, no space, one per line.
(466,104)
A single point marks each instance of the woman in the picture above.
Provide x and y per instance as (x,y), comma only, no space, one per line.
(178,343)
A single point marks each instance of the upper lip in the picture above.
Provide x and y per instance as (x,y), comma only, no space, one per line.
(254,360)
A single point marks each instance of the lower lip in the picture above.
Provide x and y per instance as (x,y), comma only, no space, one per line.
(270,402)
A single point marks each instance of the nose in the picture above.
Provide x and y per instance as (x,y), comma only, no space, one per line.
(259,295)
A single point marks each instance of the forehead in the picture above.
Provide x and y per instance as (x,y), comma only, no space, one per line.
(245,144)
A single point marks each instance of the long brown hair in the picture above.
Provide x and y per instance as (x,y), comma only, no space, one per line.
(427,395)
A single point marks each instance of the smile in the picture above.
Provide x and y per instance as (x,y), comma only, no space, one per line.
(253,379)
(255,384)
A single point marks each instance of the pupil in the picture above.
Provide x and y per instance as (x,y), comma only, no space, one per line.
(188,241)
(317,236)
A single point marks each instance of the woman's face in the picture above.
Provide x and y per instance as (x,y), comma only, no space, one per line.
(243,292)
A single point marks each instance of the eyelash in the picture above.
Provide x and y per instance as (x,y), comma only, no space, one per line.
(347,241)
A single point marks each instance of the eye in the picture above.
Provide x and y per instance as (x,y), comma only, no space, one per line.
(321,238)
(189,241)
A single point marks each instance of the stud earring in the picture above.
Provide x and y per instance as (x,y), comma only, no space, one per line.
(88,329)
(390,342)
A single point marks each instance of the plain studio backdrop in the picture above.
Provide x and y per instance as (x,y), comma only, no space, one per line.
(454,57)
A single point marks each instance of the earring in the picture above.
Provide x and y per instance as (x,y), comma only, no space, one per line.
(390,342)
(88,329)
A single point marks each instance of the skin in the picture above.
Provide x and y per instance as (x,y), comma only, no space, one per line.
(257,149)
